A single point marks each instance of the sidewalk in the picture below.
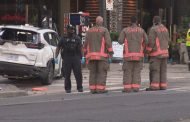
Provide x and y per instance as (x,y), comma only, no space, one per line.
(10,90)
(114,81)
(115,78)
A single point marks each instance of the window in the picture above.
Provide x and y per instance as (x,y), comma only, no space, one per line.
(54,39)
(46,37)
(19,35)
(12,12)
(51,38)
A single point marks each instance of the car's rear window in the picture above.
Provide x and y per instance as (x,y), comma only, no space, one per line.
(18,35)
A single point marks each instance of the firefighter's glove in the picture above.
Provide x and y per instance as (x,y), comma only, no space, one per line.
(109,60)
(83,60)
(56,60)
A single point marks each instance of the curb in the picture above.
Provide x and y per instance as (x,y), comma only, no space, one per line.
(6,94)
(144,85)
(46,91)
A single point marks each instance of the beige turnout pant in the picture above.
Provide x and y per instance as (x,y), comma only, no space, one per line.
(132,74)
(158,73)
(98,74)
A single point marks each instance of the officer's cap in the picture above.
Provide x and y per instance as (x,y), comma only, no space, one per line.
(70,27)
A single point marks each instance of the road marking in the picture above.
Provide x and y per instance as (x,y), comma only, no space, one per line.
(180,89)
(176,77)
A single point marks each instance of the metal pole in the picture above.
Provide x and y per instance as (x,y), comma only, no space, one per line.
(171,17)
(26,14)
(77,5)
(102,6)
(39,13)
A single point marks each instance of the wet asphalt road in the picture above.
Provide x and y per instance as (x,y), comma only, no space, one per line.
(171,105)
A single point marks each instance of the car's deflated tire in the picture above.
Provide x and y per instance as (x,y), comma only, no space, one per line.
(47,79)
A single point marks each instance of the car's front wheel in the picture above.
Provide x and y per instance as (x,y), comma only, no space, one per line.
(47,78)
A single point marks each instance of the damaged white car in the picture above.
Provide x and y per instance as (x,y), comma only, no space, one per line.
(27,51)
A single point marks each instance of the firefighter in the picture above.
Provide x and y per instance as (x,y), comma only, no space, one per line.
(134,39)
(98,49)
(71,47)
(157,50)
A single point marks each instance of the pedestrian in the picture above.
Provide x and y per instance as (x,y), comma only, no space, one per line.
(182,48)
(188,47)
(175,53)
(98,49)
(71,51)
(45,17)
(134,39)
(157,51)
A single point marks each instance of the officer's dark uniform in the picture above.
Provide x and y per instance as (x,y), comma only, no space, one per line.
(72,60)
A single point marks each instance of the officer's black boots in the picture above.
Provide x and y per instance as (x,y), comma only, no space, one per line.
(68,91)
(80,90)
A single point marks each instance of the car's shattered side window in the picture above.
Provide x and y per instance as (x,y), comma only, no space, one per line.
(19,35)
(8,34)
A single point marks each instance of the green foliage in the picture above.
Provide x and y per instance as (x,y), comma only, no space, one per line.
(114,36)
(185,22)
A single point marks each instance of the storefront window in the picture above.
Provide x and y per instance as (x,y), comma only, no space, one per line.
(33,12)
(12,12)
(25,11)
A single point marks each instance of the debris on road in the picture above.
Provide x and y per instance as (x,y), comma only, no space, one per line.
(40,89)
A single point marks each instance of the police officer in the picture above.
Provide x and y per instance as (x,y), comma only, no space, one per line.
(98,49)
(71,47)
(157,50)
(134,39)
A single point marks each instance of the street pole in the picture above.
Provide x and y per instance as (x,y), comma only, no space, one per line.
(171,17)
(77,6)
(102,6)
(26,13)
(39,13)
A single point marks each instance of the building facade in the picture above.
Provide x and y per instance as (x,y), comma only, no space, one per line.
(172,12)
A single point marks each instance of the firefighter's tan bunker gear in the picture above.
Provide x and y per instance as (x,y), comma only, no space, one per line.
(157,50)
(98,48)
(134,39)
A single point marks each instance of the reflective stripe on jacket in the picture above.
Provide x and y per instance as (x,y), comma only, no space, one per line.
(98,45)
(158,41)
(159,51)
(133,55)
(97,55)
(134,39)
